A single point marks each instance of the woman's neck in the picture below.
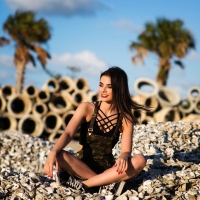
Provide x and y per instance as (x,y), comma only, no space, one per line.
(107,108)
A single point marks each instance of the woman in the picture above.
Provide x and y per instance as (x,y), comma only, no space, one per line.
(101,124)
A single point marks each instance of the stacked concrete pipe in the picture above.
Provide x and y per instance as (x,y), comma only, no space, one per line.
(30,91)
(19,105)
(60,103)
(46,112)
(31,124)
(7,122)
(194,96)
(51,85)
(166,104)
(39,109)
(2,103)
(52,122)
(7,91)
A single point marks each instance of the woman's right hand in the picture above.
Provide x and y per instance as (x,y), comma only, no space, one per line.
(50,163)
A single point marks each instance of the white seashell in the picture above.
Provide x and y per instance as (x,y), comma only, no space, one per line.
(150,190)
(133,198)
(109,197)
(79,197)
(103,191)
(49,190)
(39,196)
(69,198)
(122,197)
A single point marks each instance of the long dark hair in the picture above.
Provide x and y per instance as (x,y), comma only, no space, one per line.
(122,100)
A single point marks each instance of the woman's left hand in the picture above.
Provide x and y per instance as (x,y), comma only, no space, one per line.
(122,163)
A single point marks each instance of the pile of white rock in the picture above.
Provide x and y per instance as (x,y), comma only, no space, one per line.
(172,170)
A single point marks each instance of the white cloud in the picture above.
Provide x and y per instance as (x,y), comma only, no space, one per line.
(90,65)
(127,25)
(87,61)
(66,8)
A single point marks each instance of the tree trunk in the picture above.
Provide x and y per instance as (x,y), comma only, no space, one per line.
(20,76)
(163,71)
(21,58)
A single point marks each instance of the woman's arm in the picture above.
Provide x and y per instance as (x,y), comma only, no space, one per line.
(82,113)
(126,147)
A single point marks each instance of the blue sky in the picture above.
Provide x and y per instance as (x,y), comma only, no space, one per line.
(95,34)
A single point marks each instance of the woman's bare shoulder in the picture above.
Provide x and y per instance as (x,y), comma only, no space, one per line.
(87,105)
(86,108)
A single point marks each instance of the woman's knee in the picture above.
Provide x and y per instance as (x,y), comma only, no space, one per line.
(140,160)
(62,155)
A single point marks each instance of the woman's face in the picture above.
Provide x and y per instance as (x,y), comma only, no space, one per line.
(105,89)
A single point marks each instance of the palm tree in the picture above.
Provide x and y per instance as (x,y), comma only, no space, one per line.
(167,39)
(28,34)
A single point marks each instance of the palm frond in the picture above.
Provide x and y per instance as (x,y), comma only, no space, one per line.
(24,27)
(42,55)
(179,63)
(4,41)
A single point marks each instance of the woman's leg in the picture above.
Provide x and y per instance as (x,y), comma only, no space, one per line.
(74,166)
(135,166)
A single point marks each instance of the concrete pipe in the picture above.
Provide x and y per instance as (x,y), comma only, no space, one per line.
(51,85)
(52,122)
(191,118)
(139,115)
(78,97)
(7,91)
(197,106)
(92,96)
(140,99)
(19,105)
(66,117)
(194,93)
(147,119)
(167,97)
(43,96)
(8,122)
(60,103)
(81,84)
(186,106)
(151,87)
(2,103)
(39,109)
(31,125)
(55,135)
(30,91)
(66,84)
(151,102)
(168,114)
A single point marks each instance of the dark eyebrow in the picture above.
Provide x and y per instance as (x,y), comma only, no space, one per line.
(106,84)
